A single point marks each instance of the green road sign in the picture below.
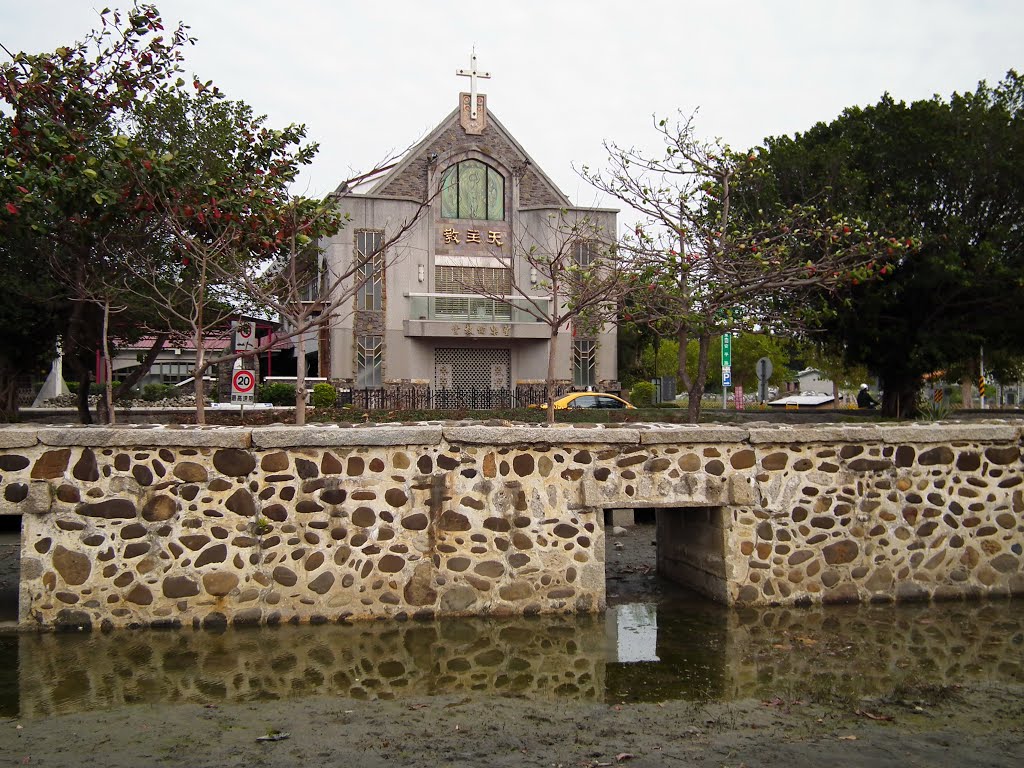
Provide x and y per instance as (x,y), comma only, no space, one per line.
(727,350)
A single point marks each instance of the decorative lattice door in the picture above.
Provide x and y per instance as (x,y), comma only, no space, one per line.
(462,373)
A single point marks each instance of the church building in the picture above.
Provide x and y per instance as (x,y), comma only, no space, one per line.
(445,300)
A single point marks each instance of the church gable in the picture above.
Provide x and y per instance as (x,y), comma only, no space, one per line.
(409,179)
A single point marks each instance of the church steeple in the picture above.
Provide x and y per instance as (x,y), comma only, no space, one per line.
(473,106)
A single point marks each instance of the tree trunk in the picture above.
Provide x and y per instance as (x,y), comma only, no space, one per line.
(197,380)
(84,381)
(300,379)
(549,381)
(899,399)
(967,388)
(696,392)
(109,417)
(144,367)
(8,397)
(80,356)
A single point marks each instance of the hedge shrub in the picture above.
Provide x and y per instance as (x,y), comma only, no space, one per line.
(277,393)
(152,392)
(324,395)
(642,394)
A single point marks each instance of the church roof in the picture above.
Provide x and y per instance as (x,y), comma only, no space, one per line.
(448,138)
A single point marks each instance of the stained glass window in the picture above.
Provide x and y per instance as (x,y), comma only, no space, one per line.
(472,190)
(369,245)
(584,363)
(369,361)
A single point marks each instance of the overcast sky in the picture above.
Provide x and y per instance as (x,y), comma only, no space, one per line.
(368,78)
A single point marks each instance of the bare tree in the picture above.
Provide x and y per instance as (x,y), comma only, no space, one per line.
(702,269)
(299,287)
(575,280)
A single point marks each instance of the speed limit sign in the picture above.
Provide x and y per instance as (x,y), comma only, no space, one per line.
(243,386)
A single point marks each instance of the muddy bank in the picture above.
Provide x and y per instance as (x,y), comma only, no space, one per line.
(981,726)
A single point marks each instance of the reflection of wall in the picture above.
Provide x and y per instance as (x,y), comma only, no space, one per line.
(858,651)
(540,657)
(10,574)
(166,526)
(705,653)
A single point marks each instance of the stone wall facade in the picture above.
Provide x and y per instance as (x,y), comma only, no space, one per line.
(205,526)
(533,190)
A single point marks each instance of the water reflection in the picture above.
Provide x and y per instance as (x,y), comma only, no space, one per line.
(686,650)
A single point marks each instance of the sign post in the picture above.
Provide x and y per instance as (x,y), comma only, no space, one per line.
(726,367)
(243,385)
(764,372)
(245,336)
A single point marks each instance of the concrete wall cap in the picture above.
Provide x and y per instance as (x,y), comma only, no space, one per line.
(825,433)
(694,433)
(331,435)
(944,432)
(18,437)
(562,434)
(186,436)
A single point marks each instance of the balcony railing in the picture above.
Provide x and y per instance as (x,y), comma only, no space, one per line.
(474,308)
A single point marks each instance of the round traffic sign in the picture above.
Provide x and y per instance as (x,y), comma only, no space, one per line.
(243,381)
(245,330)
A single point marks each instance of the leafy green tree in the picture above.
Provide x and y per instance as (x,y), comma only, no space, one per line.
(70,197)
(31,319)
(747,349)
(226,211)
(150,195)
(948,173)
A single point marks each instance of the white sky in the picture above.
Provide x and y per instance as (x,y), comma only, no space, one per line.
(368,78)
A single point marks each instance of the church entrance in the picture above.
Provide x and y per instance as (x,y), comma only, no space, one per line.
(472,378)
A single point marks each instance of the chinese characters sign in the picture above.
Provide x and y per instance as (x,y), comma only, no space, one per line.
(471,329)
(450,235)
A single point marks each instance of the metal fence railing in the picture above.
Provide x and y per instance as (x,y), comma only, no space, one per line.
(455,398)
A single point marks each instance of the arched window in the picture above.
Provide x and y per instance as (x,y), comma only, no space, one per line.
(472,190)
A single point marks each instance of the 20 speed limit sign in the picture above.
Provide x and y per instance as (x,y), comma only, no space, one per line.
(243,385)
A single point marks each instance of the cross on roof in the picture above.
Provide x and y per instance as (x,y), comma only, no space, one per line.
(472,73)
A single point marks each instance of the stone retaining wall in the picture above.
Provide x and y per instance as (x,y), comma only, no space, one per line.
(202,526)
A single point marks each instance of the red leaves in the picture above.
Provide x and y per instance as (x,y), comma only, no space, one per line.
(12,209)
(69,158)
(22,190)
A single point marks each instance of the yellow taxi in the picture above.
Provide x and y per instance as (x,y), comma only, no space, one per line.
(590,400)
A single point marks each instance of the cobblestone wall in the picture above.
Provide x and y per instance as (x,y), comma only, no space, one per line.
(205,526)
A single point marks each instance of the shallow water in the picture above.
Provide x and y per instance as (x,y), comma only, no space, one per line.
(677,648)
